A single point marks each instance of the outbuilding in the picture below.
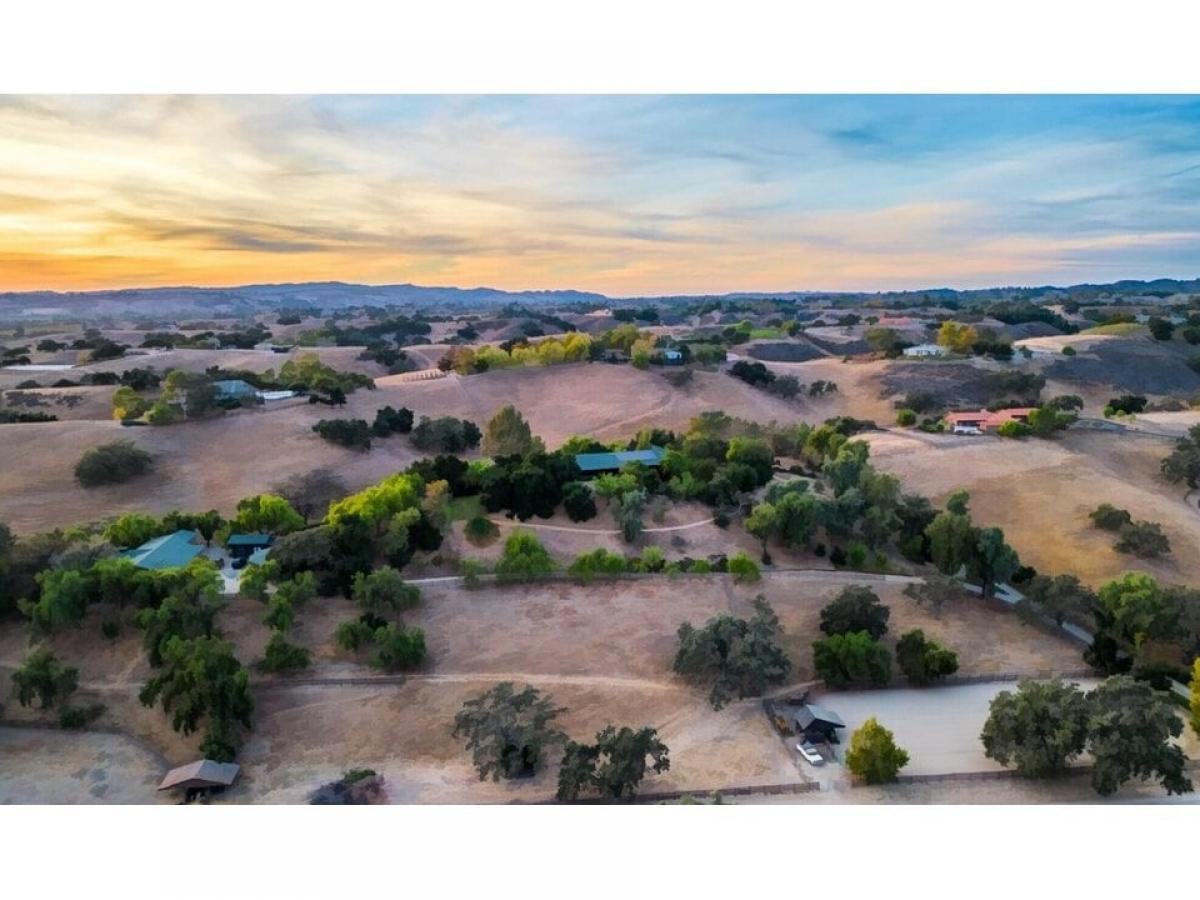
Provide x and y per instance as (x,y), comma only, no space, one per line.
(245,545)
(200,776)
(591,464)
(816,723)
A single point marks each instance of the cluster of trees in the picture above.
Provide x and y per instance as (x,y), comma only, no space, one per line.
(356,434)
(573,347)
(1124,725)
(1140,538)
(393,645)
(43,678)
(851,501)
(733,657)
(1125,405)
(853,653)
(510,734)
(953,543)
(758,375)
(1044,422)
(446,434)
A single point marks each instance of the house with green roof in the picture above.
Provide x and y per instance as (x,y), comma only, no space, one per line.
(611,461)
(167,551)
(246,545)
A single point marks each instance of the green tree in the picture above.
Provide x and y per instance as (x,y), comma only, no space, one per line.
(132,529)
(763,522)
(578,501)
(852,658)
(1130,728)
(397,647)
(614,766)
(1040,728)
(957,336)
(993,561)
(1139,609)
(1109,517)
(922,660)
(1143,539)
(383,591)
(1194,703)
(628,509)
(268,513)
(951,541)
(524,559)
(734,657)
(112,463)
(1062,598)
(508,731)
(508,434)
(62,601)
(201,680)
(42,676)
(128,404)
(1183,463)
(856,608)
(873,756)
(906,418)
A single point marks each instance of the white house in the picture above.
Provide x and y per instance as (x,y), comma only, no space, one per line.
(925,350)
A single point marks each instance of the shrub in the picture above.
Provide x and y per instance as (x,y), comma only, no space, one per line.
(578,501)
(1014,429)
(1068,350)
(922,660)
(112,464)
(524,559)
(906,418)
(743,568)
(1143,539)
(1109,517)
(72,717)
(283,656)
(480,530)
(352,433)
(598,563)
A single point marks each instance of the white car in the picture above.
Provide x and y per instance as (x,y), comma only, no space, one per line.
(809,753)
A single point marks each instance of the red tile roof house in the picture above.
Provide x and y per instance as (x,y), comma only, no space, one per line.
(984,420)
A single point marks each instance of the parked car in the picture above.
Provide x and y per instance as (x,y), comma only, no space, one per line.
(809,752)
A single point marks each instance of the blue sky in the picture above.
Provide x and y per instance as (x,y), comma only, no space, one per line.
(624,195)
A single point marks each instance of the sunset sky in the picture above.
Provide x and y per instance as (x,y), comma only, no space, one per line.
(622,195)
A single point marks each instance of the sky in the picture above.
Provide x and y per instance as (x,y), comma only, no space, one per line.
(627,196)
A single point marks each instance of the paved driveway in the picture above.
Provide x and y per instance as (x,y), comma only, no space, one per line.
(938,726)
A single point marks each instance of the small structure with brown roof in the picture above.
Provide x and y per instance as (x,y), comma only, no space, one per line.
(202,774)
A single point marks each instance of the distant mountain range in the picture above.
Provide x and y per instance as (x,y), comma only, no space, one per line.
(332,295)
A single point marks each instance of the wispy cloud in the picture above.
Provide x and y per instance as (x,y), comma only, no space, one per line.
(627,195)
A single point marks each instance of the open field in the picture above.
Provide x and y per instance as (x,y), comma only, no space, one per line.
(1040,493)
(604,651)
